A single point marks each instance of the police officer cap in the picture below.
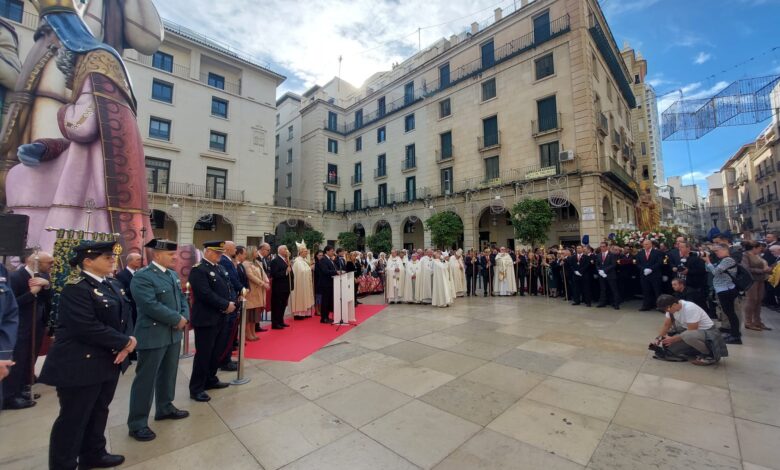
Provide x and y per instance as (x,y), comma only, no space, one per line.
(216,245)
(87,248)
(161,244)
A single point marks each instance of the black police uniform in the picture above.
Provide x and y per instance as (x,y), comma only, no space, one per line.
(94,325)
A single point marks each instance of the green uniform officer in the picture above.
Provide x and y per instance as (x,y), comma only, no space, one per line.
(163,314)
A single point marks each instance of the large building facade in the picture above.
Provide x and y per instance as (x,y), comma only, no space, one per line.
(206,115)
(535,105)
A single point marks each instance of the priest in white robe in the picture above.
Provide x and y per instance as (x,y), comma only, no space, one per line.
(423,288)
(504,278)
(458,271)
(411,273)
(302,296)
(442,287)
(395,278)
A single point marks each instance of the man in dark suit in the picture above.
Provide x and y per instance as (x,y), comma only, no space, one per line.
(31,287)
(327,269)
(522,272)
(649,260)
(213,301)
(228,338)
(691,268)
(282,278)
(90,350)
(606,264)
(163,314)
(341,263)
(581,268)
(133,263)
(9,324)
(470,261)
(483,270)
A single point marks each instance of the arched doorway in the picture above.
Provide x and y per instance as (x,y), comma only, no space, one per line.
(164,226)
(283,229)
(606,211)
(211,227)
(565,229)
(360,231)
(382,225)
(413,236)
(495,229)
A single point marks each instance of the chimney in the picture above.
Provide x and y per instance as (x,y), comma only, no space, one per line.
(497,13)
(474,27)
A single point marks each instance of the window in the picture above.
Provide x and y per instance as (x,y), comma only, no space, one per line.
(545,66)
(276,162)
(288,201)
(157,173)
(277,119)
(289,155)
(444,75)
(289,180)
(218,141)
(542,27)
(609,90)
(380,107)
(445,140)
(645,172)
(491,168)
(444,108)
(358,172)
(219,107)
(595,65)
(357,199)
(162,91)
(359,143)
(409,123)
(446,181)
(409,93)
(12,9)
(644,148)
(277,140)
(410,157)
(159,128)
(488,55)
(217,81)
(382,195)
(333,174)
(381,134)
(411,188)
(358,118)
(381,165)
(547,111)
(331,201)
(333,121)
(333,146)
(548,154)
(488,89)
(216,183)
(290,133)
(162,61)
(490,131)
(276,185)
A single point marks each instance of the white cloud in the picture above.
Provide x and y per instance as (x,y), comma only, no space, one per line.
(307,39)
(701,58)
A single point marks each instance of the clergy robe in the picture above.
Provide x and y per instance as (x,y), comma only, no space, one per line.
(457,269)
(302,296)
(442,288)
(411,273)
(424,284)
(395,279)
(504,278)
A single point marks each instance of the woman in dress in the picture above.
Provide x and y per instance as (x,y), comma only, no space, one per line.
(258,284)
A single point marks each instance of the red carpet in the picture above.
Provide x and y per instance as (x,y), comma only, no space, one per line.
(303,337)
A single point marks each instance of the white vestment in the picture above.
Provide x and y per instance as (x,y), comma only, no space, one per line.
(394,272)
(411,274)
(423,287)
(504,279)
(457,269)
(442,287)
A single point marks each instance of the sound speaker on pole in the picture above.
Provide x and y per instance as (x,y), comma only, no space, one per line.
(13,234)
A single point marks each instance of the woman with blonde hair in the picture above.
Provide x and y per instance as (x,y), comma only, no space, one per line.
(258,286)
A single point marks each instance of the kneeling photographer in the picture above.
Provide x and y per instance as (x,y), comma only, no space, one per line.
(688,333)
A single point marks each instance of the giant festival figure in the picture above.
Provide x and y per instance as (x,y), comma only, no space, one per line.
(99,155)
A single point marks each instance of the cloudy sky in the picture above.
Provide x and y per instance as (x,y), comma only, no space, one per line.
(697,46)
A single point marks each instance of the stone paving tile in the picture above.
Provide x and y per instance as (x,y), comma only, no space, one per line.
(595,374)
(362,403)
(759,443)
(451,363)
(211,453)
(507,379)
(440,340)
(414,381)
(318,382)
(340,352)
(354,451)
(584,399)
(759,406)
(250,406)
(532,361)
(480,350)
(473,401)
(703,397)
(409,351)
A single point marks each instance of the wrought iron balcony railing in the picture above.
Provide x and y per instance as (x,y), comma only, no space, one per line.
(445,154)
(602,122)
(489,141)
(357,179)
(201,191)
(380,172)
(408,164)
(546,124)
(331,180)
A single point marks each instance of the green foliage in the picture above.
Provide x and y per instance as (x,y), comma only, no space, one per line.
(381,242)
(348,240)
(313,239)
(532,219)
(446,228)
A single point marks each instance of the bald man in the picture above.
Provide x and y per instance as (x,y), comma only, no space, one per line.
(31,287)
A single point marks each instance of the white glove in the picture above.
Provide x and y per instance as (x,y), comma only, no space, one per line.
(602,273)
(664,278)
(647,271)
(577,273)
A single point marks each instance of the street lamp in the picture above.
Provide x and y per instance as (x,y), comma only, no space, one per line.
(764,225)
(714,216)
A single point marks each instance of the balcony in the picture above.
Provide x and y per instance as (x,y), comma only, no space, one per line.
(199,191)
(615,65)
(761,201)
(380,172)
(762,171)
(489,142)
(331,126)
(546,125)
(602,123)
(408,164)
(741,179)
(229,87)
(617,173)
(616,140)
(445,154)
(357,179)
(332,180)
(626,152)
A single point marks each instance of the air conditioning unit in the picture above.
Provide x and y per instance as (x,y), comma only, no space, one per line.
(566,156)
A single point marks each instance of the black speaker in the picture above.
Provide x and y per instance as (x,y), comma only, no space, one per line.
(13,234)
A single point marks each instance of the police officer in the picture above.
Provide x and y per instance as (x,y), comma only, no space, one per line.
(89,351)
(213,302)
(9,323)
(163,314)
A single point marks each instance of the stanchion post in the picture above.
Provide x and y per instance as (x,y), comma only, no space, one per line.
(186,342)
(240,379)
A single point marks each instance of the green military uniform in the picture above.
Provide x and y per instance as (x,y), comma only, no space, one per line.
(161,305)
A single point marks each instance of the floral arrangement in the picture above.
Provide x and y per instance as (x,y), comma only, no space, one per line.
(636,237)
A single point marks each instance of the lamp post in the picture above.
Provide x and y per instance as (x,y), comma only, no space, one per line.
(764,225)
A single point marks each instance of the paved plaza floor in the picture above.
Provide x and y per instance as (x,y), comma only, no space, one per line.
(504,383)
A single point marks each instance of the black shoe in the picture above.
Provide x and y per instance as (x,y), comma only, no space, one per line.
(17,403)
(732,340)
(217,386)
(298,317)
(587,305)
(175,414)
(645,309)
(143,434)
(276,327)
(285,325)
(104,461)
(575,303)
(202,396)
(616,307)
(601,305)
(326,320)
(229,367)
(358,303)
(28,396)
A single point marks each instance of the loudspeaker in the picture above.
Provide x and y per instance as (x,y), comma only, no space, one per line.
(13,234)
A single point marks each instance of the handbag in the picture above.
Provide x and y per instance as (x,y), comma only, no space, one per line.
(743,280)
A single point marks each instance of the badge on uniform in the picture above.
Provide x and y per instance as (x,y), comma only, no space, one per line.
(212,273)
(97,292)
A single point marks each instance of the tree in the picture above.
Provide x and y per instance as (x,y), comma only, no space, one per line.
(532,219)
(382,241)
(311,237)
(348,240)
(446,229)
